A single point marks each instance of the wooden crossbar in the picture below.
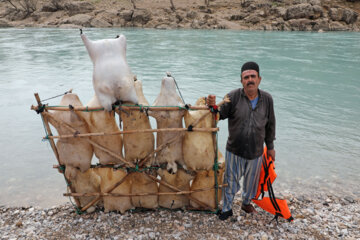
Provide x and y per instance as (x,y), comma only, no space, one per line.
(110,194)
(126,108)
(83,135)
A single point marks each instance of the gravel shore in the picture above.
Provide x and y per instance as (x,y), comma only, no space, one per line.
(317,216)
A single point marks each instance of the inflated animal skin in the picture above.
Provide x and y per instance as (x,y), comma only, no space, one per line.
(73,152)
(181,180)
(206,179)
(198,147)
(112,77)
(143,184)
(99,122)
(137,146)
(169,119)
(87,182)
(109,177)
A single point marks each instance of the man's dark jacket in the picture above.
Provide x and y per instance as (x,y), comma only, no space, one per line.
(248,128)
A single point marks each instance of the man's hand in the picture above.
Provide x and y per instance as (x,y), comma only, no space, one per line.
(211,100)
(271,153)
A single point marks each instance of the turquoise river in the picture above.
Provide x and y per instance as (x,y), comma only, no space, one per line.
(314,79)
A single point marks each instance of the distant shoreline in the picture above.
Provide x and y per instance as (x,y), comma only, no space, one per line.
(277,15)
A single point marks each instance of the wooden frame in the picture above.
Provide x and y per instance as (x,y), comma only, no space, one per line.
(45,115)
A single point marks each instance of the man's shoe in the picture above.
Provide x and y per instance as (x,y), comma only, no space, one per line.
(248,208)
(225,215)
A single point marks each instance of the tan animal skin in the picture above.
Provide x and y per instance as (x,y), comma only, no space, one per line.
(143,184)
(103,121)
(169,119)
(109,177)
(73,152)
(206,179)
(181,180)
(198,147)
(87,182)
(137,146)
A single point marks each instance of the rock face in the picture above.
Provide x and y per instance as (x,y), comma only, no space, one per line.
(78,7)
(4,23)
(181,180)
(73,152)
(198,147)
(168,96)
(103,122)
(112,77)
(247,15)
(340,14)
(137,146)
(304,10)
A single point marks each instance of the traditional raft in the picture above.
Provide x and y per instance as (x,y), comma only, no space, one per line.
(122,183)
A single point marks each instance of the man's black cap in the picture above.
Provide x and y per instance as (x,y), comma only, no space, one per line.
(250,66)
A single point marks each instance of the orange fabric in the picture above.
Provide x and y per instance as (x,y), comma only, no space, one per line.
(272,174)
(267,178)
(266,204)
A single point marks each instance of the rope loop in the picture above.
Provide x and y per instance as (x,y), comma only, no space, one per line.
(78,210)
(46,138)
(40,109)
(214,109)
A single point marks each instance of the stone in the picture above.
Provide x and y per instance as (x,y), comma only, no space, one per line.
(253,19)
(126,15)
(80,19)
(191,15)
(349,199)
(99,23)
(78,7)
(341,14)
(141,16)
(48,7)
(303,10)
(299,24)
(337,26)
(278,12)
(238,16)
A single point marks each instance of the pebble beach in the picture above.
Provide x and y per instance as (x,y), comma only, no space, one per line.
(316,216)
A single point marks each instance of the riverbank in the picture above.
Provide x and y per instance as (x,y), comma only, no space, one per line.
(275,15)
(317,216)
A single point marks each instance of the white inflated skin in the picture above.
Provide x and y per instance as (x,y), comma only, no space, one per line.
(112,78)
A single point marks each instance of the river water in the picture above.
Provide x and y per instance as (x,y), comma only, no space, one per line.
(313,78)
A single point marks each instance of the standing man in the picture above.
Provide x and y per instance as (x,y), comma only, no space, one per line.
(251,123)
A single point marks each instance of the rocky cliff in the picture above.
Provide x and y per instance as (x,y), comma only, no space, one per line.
(276,15)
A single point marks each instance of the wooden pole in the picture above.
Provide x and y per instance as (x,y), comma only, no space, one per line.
(204,205)
(44,115)
(92,142)
(110,194)
(126,108)
(84,135)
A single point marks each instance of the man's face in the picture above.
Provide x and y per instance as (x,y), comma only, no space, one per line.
(250,80)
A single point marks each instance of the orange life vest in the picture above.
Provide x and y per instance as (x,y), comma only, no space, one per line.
(271,204)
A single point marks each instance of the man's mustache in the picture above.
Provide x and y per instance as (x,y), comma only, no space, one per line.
(249,83)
